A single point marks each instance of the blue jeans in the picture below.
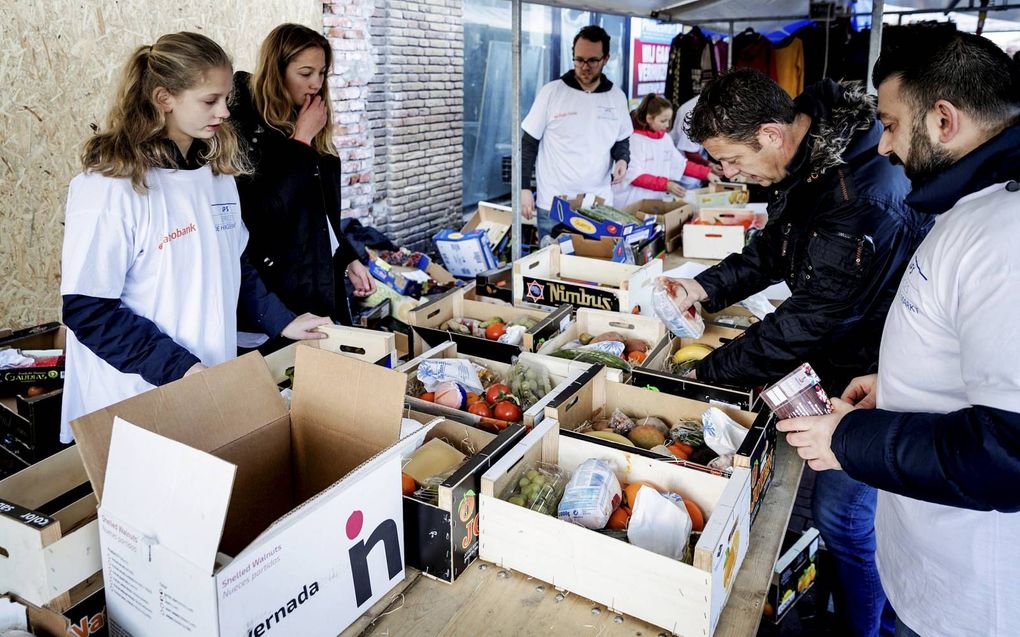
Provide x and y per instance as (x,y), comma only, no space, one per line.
(902,630)
(544,222)
(844,514)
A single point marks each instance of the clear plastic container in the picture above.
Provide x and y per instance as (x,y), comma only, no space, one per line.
(539,488)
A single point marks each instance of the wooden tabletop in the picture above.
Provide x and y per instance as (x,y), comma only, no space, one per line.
(488,600)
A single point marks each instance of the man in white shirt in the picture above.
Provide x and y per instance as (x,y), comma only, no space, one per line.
(937,430)
(578,130)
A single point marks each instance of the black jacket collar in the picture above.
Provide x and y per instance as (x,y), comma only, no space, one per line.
(995,161)
(570,80)
(178,161)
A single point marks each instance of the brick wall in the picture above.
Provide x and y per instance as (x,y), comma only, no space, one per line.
(346,24)
(416,112)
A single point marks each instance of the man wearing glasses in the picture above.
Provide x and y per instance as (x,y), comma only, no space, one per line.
(579,131)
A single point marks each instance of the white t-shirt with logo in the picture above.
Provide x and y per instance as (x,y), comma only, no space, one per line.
(952,340)
(172,255)
(648,156)
(577,130)
(679,134)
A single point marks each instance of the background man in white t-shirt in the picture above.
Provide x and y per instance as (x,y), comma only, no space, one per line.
(578,130)
(943,444)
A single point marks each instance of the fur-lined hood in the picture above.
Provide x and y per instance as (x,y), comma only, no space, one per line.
(838,111)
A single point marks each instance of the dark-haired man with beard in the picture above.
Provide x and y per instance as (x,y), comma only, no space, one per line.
(937,430)
(840,236)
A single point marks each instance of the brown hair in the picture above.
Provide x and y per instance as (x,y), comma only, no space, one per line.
(281,46)
(136,127)
(650,106)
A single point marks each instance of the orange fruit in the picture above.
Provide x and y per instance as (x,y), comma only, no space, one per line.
(680,450)
(407,484)
(636,358)
(429,396)
(697,517)
(632,490)
(472,398)
(620,519)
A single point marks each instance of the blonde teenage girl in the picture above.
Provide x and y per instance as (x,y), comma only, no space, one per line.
(152,275)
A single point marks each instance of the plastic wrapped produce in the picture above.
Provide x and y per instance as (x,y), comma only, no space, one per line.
(539,488)
(591,495)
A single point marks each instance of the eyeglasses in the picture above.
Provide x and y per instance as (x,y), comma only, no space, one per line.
(590,62)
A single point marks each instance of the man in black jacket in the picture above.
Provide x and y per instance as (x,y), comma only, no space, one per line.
(840,236)
(943,444)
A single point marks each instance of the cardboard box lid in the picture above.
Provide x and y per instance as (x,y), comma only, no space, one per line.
(173,494)
(205,411)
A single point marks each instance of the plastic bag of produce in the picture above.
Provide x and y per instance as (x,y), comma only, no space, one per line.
(514,335)
(433,372)
(659,523)
(723,434)
(607,347)
(591,495)
(529,383)
(539,488)
(687,324)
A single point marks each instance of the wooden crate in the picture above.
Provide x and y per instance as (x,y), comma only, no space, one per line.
(560,376)
(550,278)
(654,372)
(595,322)
(370,346)
(441,539)
(682,598)
(592,393)
(48,554)
(426,319)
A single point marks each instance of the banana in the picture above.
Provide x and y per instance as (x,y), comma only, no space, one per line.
(692,352)
(610,436)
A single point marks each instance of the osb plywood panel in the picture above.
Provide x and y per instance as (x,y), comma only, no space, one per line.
(60,63)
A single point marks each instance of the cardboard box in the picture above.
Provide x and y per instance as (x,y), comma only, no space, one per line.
(48,530)
(30,425)
(655,371)
(718,195)
(685,599)
(442,538)
(794,574)
(479,244)
(551,278)
(87,618)
(615,250)
(729,234)
(565,211)
(426,321)
(223,514)
(403,279)
(671,215)
(597,322)
(40,337)
(11,462)
(370,346)
(592,397)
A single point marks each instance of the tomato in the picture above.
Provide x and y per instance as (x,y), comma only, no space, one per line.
(479,408)
(636,357)
(496,393)
(429,396)
(507,411)
(407,484)
(35,390)
(472,398)
(494,331)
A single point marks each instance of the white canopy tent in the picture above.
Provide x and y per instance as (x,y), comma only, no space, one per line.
(718,15)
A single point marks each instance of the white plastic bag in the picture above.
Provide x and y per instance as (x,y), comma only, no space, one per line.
(723,434)
(433,372)
(682,324)
(616,348)
(591,495)
(514,335)
(659,523)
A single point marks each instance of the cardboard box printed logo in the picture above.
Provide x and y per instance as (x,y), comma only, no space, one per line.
(554,293)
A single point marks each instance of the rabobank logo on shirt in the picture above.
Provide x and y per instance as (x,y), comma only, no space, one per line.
(191,228)
(224,216)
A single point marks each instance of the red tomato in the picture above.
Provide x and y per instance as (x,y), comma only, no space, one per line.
(508,411)
(496,393)
(494,331)
(480,409)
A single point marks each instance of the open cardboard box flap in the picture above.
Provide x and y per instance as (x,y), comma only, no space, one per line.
(152,479)
(206,411)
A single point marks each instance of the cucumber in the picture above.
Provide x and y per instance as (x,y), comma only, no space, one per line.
(591,356)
